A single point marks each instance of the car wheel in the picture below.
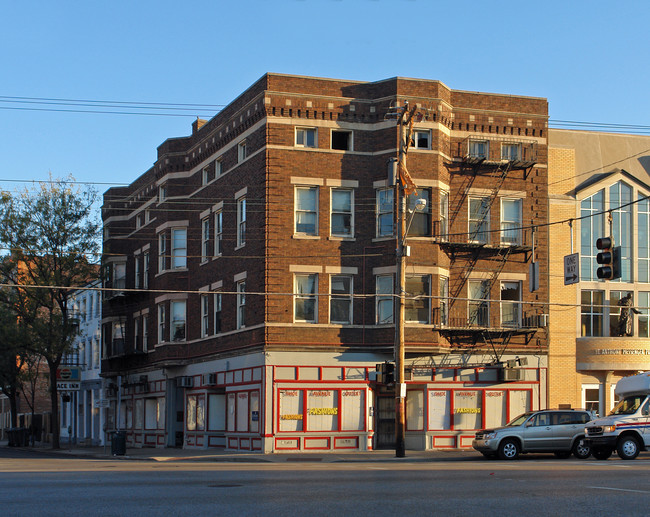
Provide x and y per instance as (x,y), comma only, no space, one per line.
(627,448)
(581,450)
(601,454)
(562,454)
(508,450)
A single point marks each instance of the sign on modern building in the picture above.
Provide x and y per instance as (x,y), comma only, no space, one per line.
(571,269)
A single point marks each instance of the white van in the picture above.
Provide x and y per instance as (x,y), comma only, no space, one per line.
(627,427)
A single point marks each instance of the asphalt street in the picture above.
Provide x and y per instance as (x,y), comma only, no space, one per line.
(42,483)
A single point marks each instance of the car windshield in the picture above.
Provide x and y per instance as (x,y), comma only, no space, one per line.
(519,420)
(628,405)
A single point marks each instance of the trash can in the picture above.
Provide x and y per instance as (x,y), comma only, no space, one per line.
(118,444)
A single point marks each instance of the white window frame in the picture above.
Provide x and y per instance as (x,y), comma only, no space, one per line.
(162,252)
(145,270)
(478,308)
(342,213)
(242,149)
(218,233)
(478,149)
(381,213)
(218,320)
(205,175)
(162,193)
(301,137)
(179,248)
(427,299)
(218,167)
(507,151)
(415,139)
(136,261)
(384,290)
(514,307)
(145,332)
(300,210)
(480,224)
(178,310)
(350,134)
(161,322)
(241,221)
(341,298)
(205,315)
(312,296)
(241,304)
(205,239)
(511,229)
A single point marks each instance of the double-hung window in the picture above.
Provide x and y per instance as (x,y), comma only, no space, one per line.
(241,304)
(145,270)
(119,275)
(479,219)
(478,313)
(341,299)
(306,137)
(218,167)
(420,218)
(145,333)
(178,320)
(384,212)
(384,303)
(179,248)
(417,304)
(342,216)
(205,239)
(444,300)
(511,221)
(217,313)
(478,149)
(242,151)
(421,139)
(161,323)
(444,215)
(205,176)
(205,315)
(306,211)
(511,152)
(162,252)
(241,221)
(511,304)
(137,272)
(218,233)
(305,298)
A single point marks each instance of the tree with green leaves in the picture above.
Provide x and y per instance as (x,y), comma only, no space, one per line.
(11,360)
(50,237)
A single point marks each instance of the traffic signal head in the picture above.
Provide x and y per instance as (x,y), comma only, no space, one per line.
(385,373)
(610,259)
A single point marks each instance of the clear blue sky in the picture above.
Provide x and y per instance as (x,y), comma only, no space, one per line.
(589,58)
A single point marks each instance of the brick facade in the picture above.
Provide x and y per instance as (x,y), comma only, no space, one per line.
(265,119)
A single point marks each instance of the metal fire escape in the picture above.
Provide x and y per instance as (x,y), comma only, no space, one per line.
(466,321)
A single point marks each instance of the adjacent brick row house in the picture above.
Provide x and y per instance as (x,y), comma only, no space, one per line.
(250,273)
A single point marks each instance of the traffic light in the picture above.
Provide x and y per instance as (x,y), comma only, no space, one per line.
(385,373)
(609,258)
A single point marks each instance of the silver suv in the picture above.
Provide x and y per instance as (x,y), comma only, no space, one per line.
(551,430)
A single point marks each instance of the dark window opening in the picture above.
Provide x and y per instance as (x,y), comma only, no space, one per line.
(341,140)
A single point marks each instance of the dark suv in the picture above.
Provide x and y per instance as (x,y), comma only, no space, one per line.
(561,431)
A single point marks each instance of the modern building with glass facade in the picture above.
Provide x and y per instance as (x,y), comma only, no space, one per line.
(599,185)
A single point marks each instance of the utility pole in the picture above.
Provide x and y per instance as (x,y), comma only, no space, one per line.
(403,186)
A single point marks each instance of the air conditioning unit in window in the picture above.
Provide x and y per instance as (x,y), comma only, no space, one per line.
(210,379)
(511,374)
(185,382)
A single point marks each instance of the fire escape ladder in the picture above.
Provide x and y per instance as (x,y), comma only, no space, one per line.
(461,194)
(501,340)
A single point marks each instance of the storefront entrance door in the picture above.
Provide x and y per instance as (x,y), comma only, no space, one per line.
(385,423)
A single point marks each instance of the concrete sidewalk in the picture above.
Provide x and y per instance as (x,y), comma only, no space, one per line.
(217,455)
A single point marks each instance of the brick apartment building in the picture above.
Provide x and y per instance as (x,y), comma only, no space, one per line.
(250,273)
